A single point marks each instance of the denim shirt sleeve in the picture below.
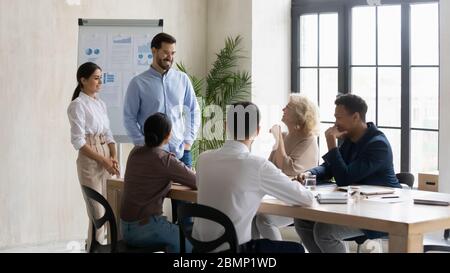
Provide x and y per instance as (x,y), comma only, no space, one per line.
(130,113)
(192,113)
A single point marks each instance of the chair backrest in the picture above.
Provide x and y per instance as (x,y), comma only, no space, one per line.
(406,178)
(89,196)
(212,214)
(358,239)
(439,248)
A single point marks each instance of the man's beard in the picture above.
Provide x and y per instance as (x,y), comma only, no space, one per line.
(163,65)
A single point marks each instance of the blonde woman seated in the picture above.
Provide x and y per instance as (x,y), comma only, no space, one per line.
(294,153)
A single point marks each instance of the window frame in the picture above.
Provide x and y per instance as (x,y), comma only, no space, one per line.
(343,8)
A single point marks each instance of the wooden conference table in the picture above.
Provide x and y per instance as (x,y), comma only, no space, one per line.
(405,221)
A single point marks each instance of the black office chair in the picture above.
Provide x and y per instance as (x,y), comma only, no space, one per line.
(405,178)
(359,240)
(440,248)
(212,214)
(91,196)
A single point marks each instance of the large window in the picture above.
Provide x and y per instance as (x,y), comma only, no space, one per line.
(388,55)
(318,71)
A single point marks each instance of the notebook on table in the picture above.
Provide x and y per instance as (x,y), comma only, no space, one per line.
(431,202)
(370,190)
(332,198)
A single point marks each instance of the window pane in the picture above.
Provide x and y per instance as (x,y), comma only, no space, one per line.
(328,40)
(424,158)
(308,40)
(308,83)
(328,92)
(425,34)
(389,96)
(323,148)
(393,136)
(425,97)
(363,35)
(363,85)
(389,35)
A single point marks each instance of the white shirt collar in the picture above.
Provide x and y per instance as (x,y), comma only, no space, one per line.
(236,145)
(86,96)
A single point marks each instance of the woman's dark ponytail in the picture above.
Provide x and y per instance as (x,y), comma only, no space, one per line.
(156,128)
(77,91)
(84,71)
(152,140)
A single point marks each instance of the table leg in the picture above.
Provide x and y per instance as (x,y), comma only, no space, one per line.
(411,243)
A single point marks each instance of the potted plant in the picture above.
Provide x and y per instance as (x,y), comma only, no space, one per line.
(224,85)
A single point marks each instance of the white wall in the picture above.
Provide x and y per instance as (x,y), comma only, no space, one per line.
(265,26)
(444,98)
(229,18)
(271,64)
(40,196)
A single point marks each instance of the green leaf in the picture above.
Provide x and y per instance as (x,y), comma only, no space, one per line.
(224,85)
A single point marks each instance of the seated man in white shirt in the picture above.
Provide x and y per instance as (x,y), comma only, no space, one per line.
(234,181)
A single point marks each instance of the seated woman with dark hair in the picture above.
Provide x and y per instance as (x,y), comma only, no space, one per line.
(148,177)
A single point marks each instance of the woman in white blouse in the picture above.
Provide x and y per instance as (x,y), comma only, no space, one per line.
(91,136)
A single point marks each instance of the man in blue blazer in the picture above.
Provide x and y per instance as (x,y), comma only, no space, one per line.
(364,158)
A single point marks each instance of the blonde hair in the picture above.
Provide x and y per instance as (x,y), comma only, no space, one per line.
(307,114)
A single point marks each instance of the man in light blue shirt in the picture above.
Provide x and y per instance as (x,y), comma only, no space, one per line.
(166,90)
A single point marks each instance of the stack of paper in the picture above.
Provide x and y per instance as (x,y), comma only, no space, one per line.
(431,202)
